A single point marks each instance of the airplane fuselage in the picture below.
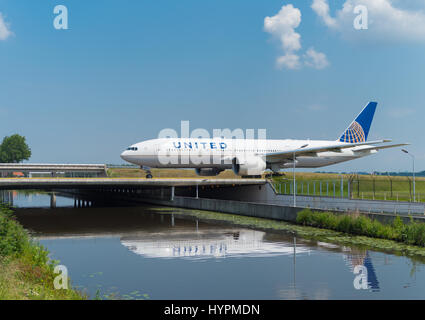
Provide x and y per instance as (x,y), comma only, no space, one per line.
(219,153)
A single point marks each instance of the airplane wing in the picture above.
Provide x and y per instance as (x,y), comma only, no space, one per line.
(312,151)
(369,148)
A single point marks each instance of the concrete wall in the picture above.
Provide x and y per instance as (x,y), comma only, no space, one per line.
(258,210)
(267,194)
(249,209)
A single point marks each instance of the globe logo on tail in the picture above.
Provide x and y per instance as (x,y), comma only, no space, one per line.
(353,134)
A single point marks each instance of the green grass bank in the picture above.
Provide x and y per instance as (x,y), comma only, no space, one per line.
(412,233)
(26,271)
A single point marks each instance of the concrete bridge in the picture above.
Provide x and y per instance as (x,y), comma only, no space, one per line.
(252,197)
(119,183)
(113,190)
(53,169)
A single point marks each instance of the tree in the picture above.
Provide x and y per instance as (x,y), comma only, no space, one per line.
(14,149)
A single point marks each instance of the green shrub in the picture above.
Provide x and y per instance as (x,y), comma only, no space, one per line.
(400,229)
(25,264)
(305,217)
(385,232)
(321,219)
(412,233)
(345,224)
(332,220)
(361,225)
(373,229)
(13,238)
(416,233)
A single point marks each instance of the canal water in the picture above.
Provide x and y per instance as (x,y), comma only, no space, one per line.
(152,253)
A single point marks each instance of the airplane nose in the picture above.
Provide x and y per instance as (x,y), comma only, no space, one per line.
(124,156)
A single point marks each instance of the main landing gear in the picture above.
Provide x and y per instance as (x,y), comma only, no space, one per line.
(148,172)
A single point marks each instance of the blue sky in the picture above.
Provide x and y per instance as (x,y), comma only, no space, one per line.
(124,70)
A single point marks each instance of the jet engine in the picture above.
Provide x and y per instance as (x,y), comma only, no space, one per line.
(249,166)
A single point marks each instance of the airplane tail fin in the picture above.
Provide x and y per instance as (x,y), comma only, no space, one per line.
(359,128)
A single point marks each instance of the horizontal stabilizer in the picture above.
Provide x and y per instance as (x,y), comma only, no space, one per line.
(369,148)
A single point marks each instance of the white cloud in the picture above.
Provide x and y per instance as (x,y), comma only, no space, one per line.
(282,26)
(321,7)
(386,21)
(4,29)
(316,59)
(289,60)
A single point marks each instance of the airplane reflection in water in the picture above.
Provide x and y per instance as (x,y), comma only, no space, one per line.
(158,236)
(164,236)
(206,244)
(227,243)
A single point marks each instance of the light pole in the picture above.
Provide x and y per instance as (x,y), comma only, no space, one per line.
(341,185)
(295,185)
(413,160)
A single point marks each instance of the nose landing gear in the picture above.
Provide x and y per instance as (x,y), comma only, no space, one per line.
(148,172)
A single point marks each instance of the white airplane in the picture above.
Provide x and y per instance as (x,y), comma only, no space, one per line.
(251,157)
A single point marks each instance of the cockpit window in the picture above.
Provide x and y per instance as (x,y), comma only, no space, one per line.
(132,148)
